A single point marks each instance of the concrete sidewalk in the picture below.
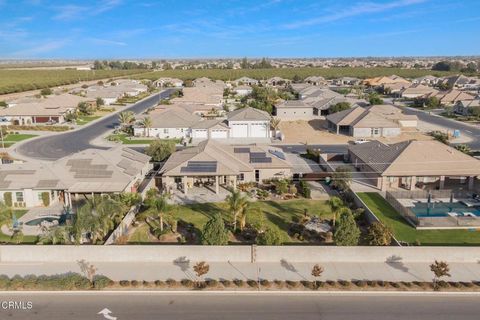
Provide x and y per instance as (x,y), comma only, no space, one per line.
(282,270)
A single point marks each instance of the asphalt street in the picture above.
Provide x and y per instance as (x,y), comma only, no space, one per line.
(171,305)
(473,131)
(61,145)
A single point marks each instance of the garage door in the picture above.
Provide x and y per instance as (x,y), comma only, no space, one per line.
(218,134)
(258,131)
(199,133)
(239,131)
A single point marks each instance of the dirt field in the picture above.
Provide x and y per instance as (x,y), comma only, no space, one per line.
(315,132)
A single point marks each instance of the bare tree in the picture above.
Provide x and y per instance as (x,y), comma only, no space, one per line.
(88,269)
(440,269)
(201,268)
(317,272)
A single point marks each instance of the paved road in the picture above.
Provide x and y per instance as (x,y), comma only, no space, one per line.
(233,306)
(58,146)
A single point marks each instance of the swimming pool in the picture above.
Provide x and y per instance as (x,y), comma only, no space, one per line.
(442,209)
(38,221)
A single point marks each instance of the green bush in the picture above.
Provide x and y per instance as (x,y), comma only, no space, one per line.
(226,283)
(124,283)
(100,282)
(67,281)
(187,283)
(159,283)
(7,197)
(252,283)
(238,282)
(211,283)
(46,199)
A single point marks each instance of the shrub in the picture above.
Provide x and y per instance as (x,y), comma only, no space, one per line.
(187,283)
(265,283)
(238,282)
(292,284)
(467,284)
(100,282)
(360,283)
(371,283)
(395,285)
(443,284)
(279,283)
(308,284)
(7,197)
(331,283)
(211,283)
(455,284)
(226,283)
(344,283)
(46,199)
(134,283)
(407,284)
(171,282)
(252,283)
(124,283)
(159,283)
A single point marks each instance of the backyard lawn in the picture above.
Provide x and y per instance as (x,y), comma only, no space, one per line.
(280,213)
(405,232)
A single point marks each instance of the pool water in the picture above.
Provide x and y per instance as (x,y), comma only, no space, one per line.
(38,221)
(441,209)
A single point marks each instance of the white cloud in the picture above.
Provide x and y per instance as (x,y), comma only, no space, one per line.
(72,11)
(355,10)
(40,48)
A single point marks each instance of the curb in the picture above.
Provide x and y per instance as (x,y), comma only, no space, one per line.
(258,293)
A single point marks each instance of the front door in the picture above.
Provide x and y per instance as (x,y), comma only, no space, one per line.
(257,175)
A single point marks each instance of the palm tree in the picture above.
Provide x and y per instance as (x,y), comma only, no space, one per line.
(336,204)
(147,124)
(237,203)
(275,123)
(57,235)
(126,118)
(5,215)
(161,206)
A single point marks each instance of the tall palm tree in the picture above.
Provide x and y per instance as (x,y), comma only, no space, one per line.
(126,118)
(147,124)
(237,203)
(336,204)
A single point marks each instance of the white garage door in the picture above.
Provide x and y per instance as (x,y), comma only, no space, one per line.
(239,131)
(258,131)
(218,134)
(199,133)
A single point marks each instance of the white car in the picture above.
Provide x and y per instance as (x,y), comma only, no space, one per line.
(360,141)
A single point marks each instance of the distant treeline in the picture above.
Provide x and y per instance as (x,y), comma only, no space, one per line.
(291,73)
(118,65)
(457,66)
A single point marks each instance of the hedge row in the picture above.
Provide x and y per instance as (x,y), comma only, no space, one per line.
(67,281)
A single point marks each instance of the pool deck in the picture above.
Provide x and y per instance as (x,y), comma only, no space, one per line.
(35,213)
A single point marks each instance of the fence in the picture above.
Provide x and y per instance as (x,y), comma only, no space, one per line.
(406,213)
(226,254)
(124,226)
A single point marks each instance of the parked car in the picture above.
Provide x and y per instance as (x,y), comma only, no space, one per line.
(361,141)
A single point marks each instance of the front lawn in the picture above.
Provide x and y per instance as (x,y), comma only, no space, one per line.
(81,120)
(405,232)
(11,139)
(126,139)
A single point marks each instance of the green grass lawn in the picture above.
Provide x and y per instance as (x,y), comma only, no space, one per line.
(81,120)
(280,213)
(140,235)
(12,138)
(405,232)
(125,139)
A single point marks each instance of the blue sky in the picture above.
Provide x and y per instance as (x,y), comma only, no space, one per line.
(253,28)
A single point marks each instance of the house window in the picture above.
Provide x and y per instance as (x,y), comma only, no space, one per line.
(39,196)
(19,196)
(241,177)
(375,131)
(165,131)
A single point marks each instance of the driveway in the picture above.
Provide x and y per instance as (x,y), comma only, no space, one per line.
(53,147)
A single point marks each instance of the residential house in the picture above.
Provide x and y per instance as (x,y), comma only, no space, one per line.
(359,122)
(345,81)
(249,123)
(291,110)
(316,81)
(380,81)
(321,107)
(242,90)
(426,80)
(451,97)
(277,82)
(82,174)
(418,90)
(245,81)
(465,107)
(216,165)
(395,114)
(413,164)
(53,108)
(171,122)
(210,129)
(168,82)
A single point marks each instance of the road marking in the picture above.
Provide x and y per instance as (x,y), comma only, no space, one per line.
(106,314)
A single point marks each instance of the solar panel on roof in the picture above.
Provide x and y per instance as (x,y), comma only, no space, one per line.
(200,166)
(258,154)
(241,150)
(260,160)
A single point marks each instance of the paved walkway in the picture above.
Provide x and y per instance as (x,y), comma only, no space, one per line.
(281,270)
